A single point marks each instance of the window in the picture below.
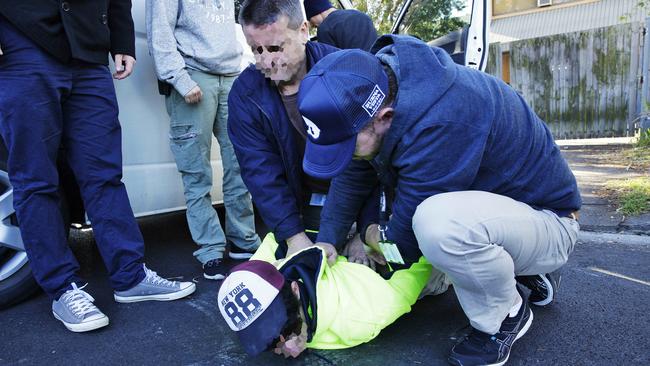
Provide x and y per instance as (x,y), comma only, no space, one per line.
(501,7)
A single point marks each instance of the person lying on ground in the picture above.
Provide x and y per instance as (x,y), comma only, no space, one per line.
(301,302)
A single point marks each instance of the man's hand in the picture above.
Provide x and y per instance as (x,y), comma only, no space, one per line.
(300,241)
(372,237)
(194,96)
(297,243)
(330,252)
(356,253)
(124,65)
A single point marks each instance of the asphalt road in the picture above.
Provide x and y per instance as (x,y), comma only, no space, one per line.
(600,318)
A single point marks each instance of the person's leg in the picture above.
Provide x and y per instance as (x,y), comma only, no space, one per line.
(32,86)
(92,135)
(190,141)
(240,219)
(482,240)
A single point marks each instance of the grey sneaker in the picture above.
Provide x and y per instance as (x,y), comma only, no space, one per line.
(75,309)
(154,287)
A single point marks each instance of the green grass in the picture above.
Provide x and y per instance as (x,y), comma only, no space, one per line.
(633,195)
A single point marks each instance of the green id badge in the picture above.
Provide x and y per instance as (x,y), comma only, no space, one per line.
(391,252)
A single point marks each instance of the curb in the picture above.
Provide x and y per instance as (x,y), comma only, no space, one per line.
(622,238)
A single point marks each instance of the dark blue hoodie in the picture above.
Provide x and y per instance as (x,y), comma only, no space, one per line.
(454,129)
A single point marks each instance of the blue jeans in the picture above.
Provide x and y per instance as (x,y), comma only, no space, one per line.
(192,126)
(45,104)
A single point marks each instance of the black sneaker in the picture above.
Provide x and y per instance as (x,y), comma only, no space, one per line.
(480,348)
(214,270)
(236,252)
(543,287)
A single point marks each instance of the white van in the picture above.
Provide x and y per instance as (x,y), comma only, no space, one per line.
(153,183)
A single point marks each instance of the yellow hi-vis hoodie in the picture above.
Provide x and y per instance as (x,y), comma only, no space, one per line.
(353,302)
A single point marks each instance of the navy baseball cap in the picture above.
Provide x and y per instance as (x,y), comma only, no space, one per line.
(249,301)
(337,98)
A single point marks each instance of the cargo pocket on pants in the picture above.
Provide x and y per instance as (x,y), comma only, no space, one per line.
(184,143)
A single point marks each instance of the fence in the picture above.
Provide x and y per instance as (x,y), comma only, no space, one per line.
(584,84)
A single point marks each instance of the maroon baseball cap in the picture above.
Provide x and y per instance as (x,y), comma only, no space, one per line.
(249,301)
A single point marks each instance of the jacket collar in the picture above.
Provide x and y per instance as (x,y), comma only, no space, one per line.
(306,267)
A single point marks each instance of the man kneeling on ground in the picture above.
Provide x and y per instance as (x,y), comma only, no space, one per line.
(481,188)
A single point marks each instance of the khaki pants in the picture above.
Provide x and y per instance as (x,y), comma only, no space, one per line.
(482,240)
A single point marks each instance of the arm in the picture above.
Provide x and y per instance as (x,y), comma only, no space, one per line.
(120,23)
(122,34)
(261,166)
(168,62)
(344,200)
(440,158)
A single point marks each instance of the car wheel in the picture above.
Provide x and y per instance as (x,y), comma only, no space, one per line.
(16,279)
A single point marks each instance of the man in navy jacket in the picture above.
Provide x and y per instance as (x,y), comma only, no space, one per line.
(480,188)
(268,132)
(341,28)
(56,90)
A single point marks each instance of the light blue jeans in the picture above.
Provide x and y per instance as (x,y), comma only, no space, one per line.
(190,137)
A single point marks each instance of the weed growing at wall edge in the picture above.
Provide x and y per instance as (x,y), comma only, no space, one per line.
(633,195)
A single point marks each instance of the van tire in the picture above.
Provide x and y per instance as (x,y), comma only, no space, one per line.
(21,284)
(17,287)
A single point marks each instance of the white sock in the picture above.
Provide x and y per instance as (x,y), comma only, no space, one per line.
(515,306)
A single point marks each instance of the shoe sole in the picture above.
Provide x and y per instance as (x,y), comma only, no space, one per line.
(215,277)
(521,333)
(551,293)
(84,327)
(240,255)
(162,297)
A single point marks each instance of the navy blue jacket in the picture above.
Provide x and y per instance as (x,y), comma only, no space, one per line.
(85,30)
(267,147)
(454,129)
(347,28)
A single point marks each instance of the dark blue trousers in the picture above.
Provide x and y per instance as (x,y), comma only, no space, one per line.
(45,104)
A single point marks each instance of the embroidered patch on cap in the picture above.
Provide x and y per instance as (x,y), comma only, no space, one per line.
(243,297)
(312,129)
(374,101)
